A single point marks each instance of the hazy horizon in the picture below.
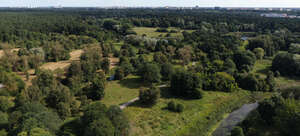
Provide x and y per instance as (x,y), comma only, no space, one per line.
(152,3)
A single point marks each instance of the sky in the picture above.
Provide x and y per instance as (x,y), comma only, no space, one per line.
(151,3)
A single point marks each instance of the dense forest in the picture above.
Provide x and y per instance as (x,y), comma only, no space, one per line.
(175,62)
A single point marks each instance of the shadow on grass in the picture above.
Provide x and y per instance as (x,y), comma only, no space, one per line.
(165,92)
(132,83)
(264,71)
(140,105)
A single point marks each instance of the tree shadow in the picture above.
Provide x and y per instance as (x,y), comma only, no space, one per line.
(264,71)
(140,105)
(132,83)
(165,92)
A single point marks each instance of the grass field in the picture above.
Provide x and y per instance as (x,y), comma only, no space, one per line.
(2,52)
(157,121)
(118,92)
(151,32)
(74,56)
(263,66)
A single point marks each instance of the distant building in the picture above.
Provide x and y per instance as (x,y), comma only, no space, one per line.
(283,15)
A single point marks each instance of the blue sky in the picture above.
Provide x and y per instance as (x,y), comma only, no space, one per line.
(133,3)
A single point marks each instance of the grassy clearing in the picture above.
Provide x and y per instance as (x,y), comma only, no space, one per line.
(151,32)
(74,56)
(12,50)
(262,67)
(159,121)
(118,92)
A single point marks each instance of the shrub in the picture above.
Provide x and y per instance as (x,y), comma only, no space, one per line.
(179,107)
(222,81)
(171,106)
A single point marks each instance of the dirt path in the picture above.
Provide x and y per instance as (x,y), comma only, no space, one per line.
(123,106)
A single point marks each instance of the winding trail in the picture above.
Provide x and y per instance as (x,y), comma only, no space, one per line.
(123,106)
(233,119)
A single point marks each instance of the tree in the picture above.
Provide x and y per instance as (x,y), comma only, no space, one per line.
(36,132)
(110,24)
(229,66)
(119,74)
(287,117)
(126,66)
(160,58)
(237,131)
(167,71)
(185,54)
(287,64)
(93,112)
(222,81)
(95,90)
(265,42)
(32,115)
(100,127)
(149,96)
(259,52)
(5,103)
(186,84)
(150,73)
(270,80)
(244,59)
(106,65)
(119,120)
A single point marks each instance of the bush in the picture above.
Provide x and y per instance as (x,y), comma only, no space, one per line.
(179,107)
(222,81)
(171,106)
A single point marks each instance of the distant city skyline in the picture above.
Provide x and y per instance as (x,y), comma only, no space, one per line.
(150,3)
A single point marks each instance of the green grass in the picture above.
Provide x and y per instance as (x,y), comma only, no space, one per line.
(159,121)
(151,32)
(262,67)
(118,92)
